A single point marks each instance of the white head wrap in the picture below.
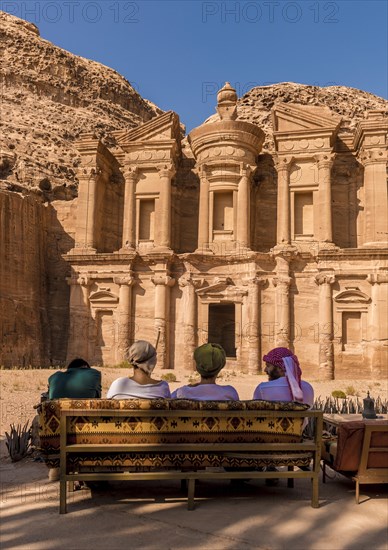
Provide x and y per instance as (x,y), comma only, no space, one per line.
(142,354)
(293,378)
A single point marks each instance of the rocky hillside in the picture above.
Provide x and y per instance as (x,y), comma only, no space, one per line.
(48,97)
(255,106)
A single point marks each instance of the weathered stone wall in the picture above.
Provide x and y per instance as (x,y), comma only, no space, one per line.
(264,205)
(34,295)
(185,201)
(109,216)
(347,179)
(24,326)
(60,239)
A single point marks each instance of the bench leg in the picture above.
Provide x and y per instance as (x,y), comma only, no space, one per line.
(190,494)
(323,471)
(290,480)
(357,492)
(62,496)
(315,492)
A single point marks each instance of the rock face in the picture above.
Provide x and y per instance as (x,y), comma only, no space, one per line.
(266,226)
(282,248)
(34,294)
(23,290)
(48,97)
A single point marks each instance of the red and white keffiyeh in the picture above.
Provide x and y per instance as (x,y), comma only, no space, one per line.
(286,360)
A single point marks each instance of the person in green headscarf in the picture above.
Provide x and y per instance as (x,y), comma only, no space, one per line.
(209,359)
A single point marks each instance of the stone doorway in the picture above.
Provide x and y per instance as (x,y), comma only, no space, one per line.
(222,327)
(105,342)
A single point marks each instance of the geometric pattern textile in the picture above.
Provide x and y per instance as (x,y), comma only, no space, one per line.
(160,429)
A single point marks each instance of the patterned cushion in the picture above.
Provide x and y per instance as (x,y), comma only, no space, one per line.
(163,429)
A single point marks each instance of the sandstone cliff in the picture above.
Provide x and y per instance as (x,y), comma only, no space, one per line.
(48,97)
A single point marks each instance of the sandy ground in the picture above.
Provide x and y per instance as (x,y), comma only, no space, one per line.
(153,515)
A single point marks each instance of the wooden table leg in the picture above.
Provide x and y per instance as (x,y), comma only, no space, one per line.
(62,496)
(190,494)
(315,492)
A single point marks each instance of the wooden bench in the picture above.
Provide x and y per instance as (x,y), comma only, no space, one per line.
(179,439)
(359,451)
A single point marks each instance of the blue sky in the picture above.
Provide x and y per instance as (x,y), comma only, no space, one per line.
(178,53)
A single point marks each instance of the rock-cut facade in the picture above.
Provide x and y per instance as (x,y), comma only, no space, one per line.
(211,238)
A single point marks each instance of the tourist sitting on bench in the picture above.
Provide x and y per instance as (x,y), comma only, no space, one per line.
(284,379)
(142,356)
(210,359)
(284,384)
(79,381)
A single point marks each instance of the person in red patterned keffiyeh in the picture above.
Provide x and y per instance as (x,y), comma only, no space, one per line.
(284,379)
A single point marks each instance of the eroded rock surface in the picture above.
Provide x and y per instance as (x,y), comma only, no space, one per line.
(48,97)
(287,230)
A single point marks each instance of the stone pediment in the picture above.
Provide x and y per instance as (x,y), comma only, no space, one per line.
(290,117)
(218,286)
(222,289)
(103,297)
(352,296)
(165,127)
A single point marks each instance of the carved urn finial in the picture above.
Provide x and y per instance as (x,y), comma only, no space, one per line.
(227,102)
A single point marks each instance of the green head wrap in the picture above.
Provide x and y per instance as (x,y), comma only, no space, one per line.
(210,359)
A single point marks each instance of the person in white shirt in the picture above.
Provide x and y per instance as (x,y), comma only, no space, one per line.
(142,356)
(210,359)
(284,374)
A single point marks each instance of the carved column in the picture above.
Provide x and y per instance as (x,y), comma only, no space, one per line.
(283,210)
(253,329)
(162,284)
(282,312)
(124,316)
(85,235)
(78,342)
(326,352)
(282,282)
(377,323)
(166,173)
(129,218)
(203,221)
(243,207)
(325,163)
(376,199)
(189,305)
